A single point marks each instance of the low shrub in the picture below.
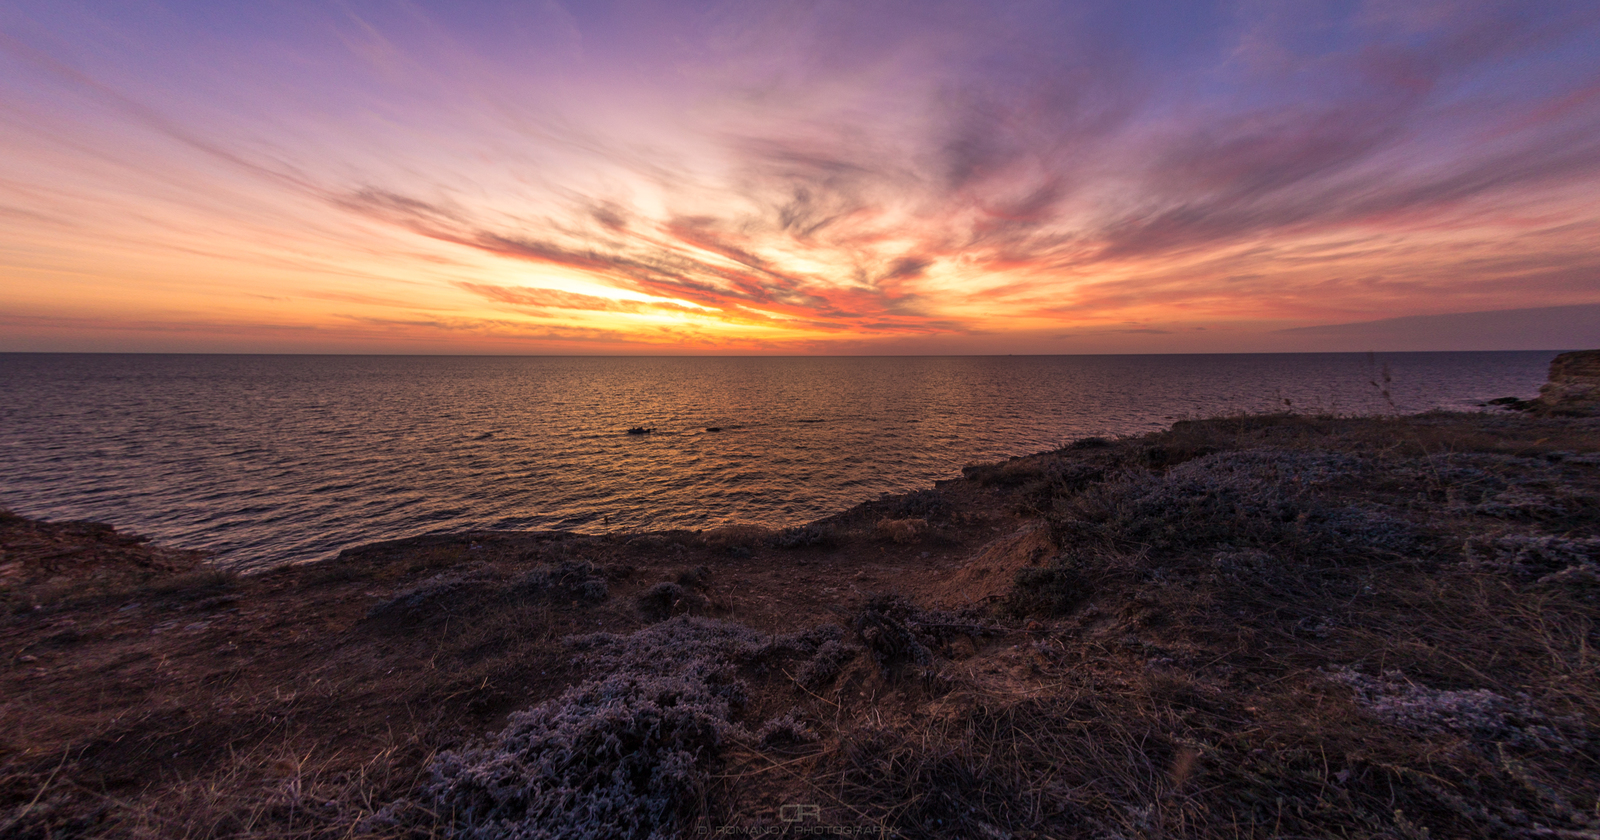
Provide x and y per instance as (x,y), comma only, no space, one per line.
(1581,582)
(736,536)
(785,731)
(663,601)
(704,648)
(695,578)
(903,531)
(922,504)
(1530,555)
(1478,713)
(476,587)
(1048,590)
(1010,473)
(885,627)
(435,597)
(1046,474)
(806,536)
(336,570)
(622,757)
(899,633)
(825,664)
(1259,499)
(567,580)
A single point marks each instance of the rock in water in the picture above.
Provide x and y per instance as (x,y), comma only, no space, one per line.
(1574,386)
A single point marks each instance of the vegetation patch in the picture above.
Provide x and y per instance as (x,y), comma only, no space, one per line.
(1280,626)
(438,597)
(667,599)
(903,531)
(1531,555)
(806,536)
(1051,590)
(1478,713)
(622,757)
(1256,499)
(898,633)
(567,580)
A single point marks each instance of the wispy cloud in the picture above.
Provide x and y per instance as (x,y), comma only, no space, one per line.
(794,174)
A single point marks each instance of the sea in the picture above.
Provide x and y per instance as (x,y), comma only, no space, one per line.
(269,460)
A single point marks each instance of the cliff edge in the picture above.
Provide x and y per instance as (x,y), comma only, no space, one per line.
(1260,626)
(1574,386)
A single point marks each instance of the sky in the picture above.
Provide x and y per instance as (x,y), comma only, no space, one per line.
(817,177)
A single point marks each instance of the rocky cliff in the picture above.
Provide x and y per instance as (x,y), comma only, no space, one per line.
(1574,386)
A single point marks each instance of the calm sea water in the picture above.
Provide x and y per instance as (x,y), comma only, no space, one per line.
(266,460)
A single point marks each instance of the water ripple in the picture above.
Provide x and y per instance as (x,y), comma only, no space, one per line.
(273,459)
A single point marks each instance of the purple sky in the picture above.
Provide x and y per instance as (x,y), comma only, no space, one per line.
(814,177)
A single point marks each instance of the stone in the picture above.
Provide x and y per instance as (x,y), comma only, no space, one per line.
(1574,386)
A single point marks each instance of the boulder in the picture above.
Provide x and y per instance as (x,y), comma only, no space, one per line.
(1574,386)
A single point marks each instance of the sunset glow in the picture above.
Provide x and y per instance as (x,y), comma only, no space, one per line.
(752,178)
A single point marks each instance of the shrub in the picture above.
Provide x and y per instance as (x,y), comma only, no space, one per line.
(899,633)
(784,731)
(922,504)
(659,543)
(701,647)
(1478,713)
(806,536)
(1521,502)
(1048,590)
(198,583)
(1531,555)
(568,580)
(436,596)
(736,536)
(1257,499)
(902,531)
(695,578)
(617,758)
(623,755)
(883,627)
(477,586)
(1011,473)
(825,664)
(663,600)
(1582,582)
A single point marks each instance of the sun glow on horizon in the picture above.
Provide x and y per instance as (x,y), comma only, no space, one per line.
(886,177)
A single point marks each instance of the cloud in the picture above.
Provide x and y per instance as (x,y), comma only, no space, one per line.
(740,287)
(1131,331)
(814,172)
(548,299)
(1013,145)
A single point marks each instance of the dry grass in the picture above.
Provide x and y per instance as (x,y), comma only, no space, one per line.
(1273,626)
(903,531)
(1326,637)
(736,536)
(287,786)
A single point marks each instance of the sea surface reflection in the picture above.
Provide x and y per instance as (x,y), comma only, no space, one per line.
(272,459)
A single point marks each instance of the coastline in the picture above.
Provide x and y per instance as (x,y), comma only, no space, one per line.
(1308,625)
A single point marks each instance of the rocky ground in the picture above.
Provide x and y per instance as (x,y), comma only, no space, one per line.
(1257,626)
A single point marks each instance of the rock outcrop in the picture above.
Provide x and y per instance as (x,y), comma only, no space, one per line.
(1574,386)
